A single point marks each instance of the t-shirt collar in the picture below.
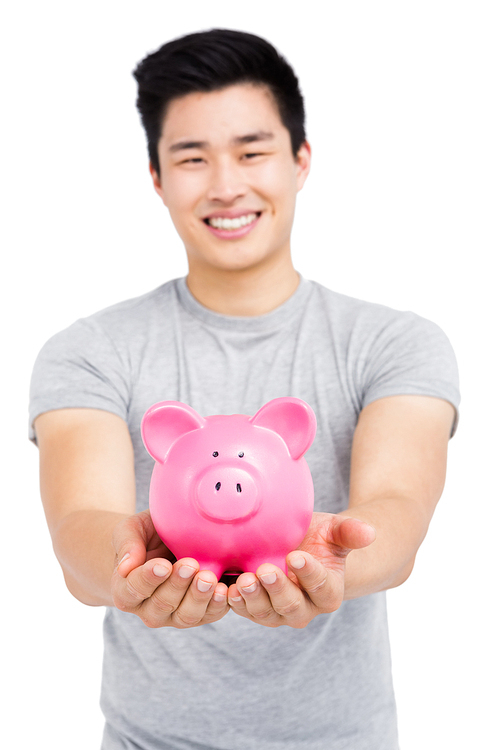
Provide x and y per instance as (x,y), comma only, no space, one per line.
(277,318)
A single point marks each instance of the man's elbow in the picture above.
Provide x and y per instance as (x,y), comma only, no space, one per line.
(403,574)
(83,596)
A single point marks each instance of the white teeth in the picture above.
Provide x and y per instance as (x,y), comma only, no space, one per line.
(223,223)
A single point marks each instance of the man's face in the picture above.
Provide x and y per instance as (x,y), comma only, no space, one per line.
(229,177)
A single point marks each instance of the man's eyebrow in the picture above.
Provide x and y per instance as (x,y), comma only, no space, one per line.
(240,140)
(260,135)
(181,145)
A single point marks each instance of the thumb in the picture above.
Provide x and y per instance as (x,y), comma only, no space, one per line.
(130,540)
(351,533)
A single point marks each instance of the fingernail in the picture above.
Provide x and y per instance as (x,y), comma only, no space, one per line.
(186,571)
(125,557)
(249,589)
(160,571)
(235,598)
(297,562)
(218,597)
(268,577)
(203,585)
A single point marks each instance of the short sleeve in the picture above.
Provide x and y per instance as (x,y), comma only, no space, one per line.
(410,356)
(79,367)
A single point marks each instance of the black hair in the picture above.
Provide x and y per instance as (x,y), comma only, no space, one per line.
(210,61)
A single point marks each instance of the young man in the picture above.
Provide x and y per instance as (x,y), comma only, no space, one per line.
(270,661)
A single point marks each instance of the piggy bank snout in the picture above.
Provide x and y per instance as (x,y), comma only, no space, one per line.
(227,494)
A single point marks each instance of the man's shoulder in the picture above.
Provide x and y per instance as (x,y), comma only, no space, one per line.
(123,323)
(137,308)
(356,322)
(352,308)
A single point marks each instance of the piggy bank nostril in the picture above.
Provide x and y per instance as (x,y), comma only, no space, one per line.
(238,487)
(217,486)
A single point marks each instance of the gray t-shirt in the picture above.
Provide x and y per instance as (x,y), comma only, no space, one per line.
(235,685)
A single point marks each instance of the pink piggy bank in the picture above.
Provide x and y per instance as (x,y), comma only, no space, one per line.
(231,491)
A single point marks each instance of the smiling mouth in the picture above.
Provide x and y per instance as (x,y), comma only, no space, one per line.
(231,225)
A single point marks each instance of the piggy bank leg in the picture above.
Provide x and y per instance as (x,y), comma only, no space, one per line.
(215,567)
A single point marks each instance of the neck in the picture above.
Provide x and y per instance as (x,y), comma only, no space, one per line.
(248,292)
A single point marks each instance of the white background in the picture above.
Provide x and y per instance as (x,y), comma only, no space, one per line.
(401,207)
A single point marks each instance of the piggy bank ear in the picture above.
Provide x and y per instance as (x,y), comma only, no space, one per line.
(291,418)
(163,423)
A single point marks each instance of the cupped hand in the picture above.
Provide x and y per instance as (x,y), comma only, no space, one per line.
(148,582)
(315,581)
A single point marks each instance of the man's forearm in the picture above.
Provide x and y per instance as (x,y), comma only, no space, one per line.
(401,525)
(83,545)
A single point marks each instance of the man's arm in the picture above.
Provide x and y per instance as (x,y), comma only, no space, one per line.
(110,555)
(398,469)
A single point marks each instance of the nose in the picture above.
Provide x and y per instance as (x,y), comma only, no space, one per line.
(226,182)
(227,494)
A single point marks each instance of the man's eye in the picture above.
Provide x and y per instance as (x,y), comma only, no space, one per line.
(252,155)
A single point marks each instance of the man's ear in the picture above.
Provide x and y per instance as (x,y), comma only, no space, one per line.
(303,162)
(156,181)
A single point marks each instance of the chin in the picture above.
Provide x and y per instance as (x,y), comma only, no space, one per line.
(233,259)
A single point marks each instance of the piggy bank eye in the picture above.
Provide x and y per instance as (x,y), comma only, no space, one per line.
(215,454)
(241,454)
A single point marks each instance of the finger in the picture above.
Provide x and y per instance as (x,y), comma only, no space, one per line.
(140,584)
(351,533)
(287,598)
(324,587)
(156,610)
(167,597)
(193,607)
(130,540)
(218,605)
(236,601)
(256,600)
(219,597)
